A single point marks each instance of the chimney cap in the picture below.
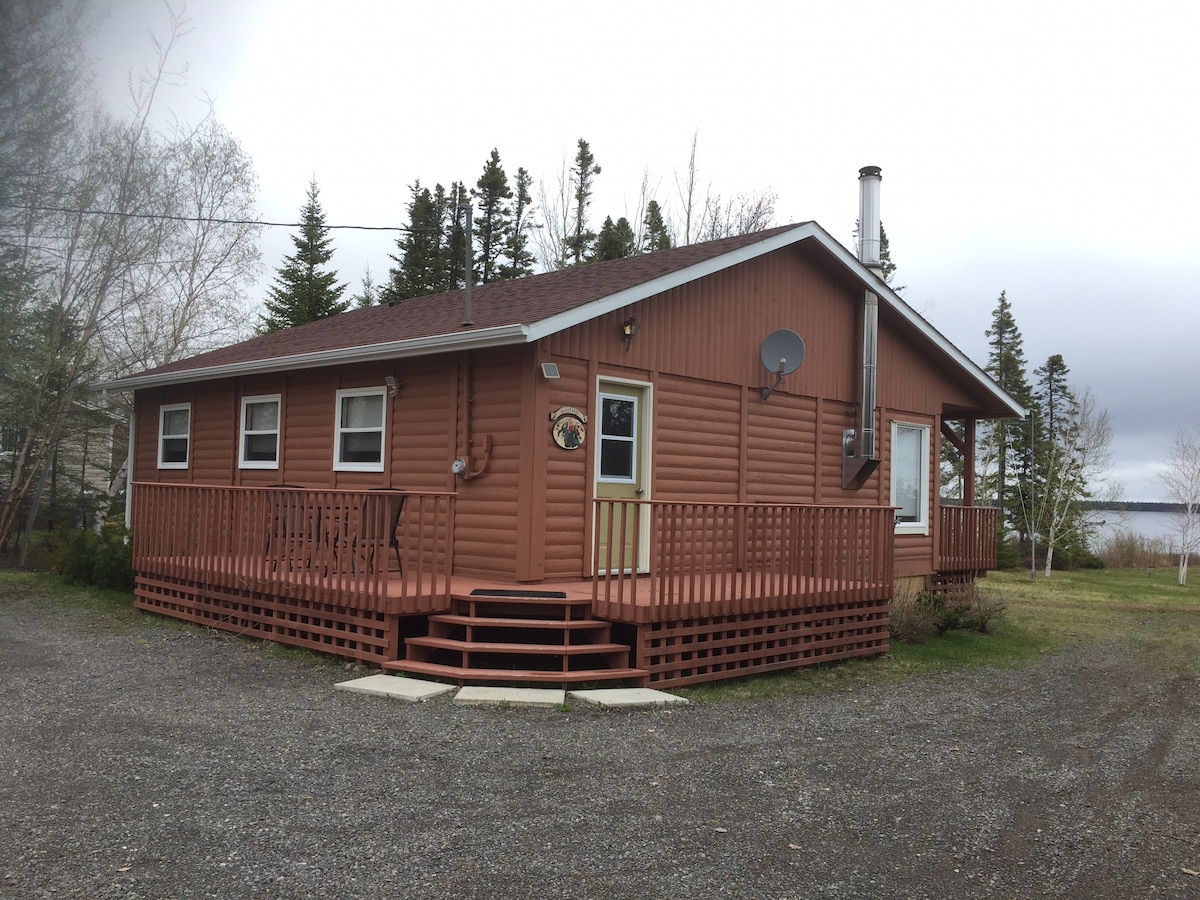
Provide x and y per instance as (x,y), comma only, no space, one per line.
(869,172)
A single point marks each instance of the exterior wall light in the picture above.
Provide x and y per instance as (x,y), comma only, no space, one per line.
(629,328)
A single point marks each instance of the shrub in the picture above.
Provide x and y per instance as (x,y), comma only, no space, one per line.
(103,560)
(913,618)
(962,607)
(1124,549)
(1008,554)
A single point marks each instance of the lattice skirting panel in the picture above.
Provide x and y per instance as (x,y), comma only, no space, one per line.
(709,649)
(952,583)
(353,633)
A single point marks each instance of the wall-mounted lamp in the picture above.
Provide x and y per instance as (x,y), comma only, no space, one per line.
(629,328)
(550,370)
(392,384)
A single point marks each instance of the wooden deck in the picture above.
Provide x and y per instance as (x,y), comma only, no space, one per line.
(727,589)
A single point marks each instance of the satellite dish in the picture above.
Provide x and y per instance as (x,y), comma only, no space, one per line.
(782,352)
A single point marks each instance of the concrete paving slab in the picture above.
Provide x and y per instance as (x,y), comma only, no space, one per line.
(616,698)
(395,688)
(510,696)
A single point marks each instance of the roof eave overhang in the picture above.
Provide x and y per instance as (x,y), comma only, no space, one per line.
(803,232)
(874,283)
(502,336)
(507,335)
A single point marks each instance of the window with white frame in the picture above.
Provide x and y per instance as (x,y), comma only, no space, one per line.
(174,435)
(260,432)
(358,442)
(910,477)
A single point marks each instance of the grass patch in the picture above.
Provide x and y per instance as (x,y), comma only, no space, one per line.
(105,612)
(96,610)
(1142,608)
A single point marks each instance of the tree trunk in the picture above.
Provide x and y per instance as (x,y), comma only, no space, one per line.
(1049,558)
(1183,566)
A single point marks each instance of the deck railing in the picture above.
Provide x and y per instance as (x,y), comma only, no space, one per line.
(704,559)
(968,538)
(380,550)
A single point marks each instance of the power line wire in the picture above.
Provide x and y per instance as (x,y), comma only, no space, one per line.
(197,219)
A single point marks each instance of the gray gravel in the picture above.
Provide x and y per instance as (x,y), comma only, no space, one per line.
(169,762)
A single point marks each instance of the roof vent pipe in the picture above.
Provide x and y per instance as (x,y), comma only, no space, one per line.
(858,454)
(868,216)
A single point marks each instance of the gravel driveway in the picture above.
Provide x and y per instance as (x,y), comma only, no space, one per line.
(164,762)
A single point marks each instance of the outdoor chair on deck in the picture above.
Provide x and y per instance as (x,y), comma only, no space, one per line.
(395,511)
(285,537)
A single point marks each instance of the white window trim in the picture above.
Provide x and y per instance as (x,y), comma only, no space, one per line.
(244,463)
(338,431)
(162,421)
(921,526)
(633,440)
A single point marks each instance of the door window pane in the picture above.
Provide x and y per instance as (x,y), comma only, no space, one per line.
(618,438)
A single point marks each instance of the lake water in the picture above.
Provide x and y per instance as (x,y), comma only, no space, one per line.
(1147,524)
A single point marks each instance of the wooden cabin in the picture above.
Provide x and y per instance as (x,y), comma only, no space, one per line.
(580,476)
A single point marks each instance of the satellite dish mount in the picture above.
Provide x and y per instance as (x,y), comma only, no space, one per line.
(781,353)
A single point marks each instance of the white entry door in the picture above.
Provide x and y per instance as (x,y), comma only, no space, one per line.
(623,472)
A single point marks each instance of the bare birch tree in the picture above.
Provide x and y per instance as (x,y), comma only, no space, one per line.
(127,253)
(1075,455)
(551,236)
(1181,478)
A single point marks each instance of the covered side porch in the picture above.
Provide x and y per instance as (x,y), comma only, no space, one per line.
(720,590)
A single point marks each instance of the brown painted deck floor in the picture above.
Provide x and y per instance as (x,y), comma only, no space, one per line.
(628,600)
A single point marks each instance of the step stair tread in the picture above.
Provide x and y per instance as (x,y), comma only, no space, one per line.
(515,648)
(524,601)
(456,673)
(509,622)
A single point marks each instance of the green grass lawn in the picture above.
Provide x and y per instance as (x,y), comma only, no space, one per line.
(1144,608)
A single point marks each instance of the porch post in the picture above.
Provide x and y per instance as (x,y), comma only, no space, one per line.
(968,462)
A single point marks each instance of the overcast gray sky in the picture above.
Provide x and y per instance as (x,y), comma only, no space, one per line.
(1047,148)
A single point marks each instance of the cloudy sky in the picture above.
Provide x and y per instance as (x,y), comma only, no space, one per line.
(1047,148)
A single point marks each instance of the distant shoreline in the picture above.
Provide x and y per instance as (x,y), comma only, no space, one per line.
(1133,506)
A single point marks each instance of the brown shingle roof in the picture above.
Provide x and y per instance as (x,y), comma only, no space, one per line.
(522,301)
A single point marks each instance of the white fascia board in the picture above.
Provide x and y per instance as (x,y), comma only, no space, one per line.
(805,231)
(875,284)
(500,336)
(572,317)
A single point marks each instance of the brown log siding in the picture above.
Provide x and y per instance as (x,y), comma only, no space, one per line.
(715,439)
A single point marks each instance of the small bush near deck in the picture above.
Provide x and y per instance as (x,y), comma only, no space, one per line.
(104,560)
(913,617)
(963,608)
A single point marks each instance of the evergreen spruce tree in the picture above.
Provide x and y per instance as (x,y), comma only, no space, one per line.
(493,227)
(519,259)
(1055,480)
(579,241)
(615,241)
(1053,395)
(655,236)
(885,260)
(454,247)
(368,294)
(1008,442)
(420,265)
(304,290)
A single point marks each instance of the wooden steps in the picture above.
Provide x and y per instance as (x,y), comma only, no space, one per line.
(514,676)
(510,638)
